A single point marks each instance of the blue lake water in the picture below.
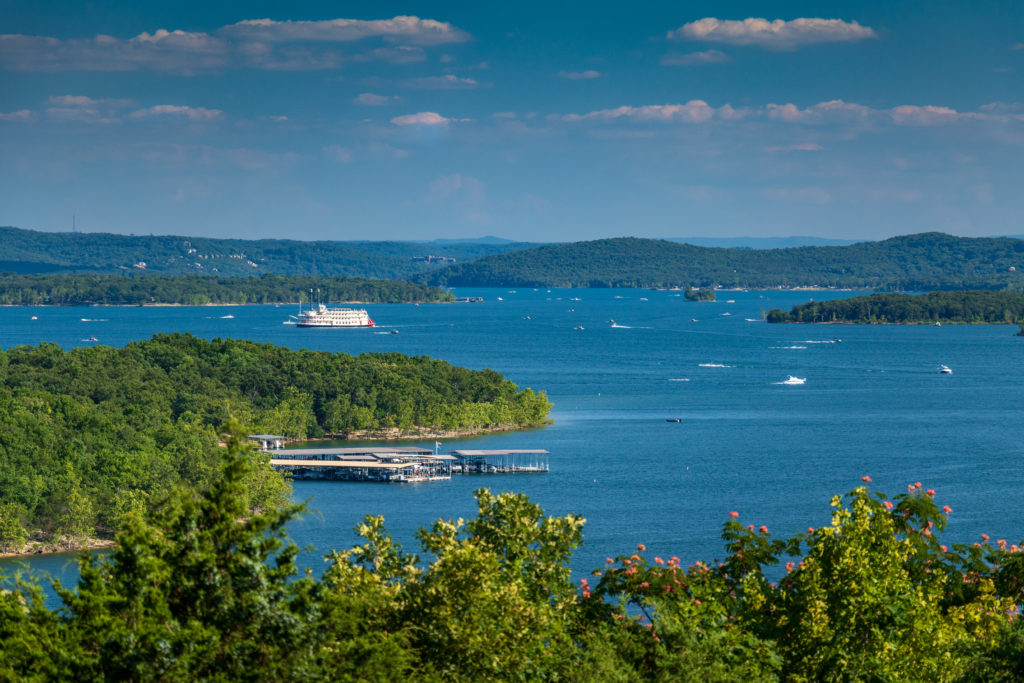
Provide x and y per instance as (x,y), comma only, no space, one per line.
(873,404)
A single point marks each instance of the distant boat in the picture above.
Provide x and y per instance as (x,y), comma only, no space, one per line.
(673,419)
(500,299)
(578,327)
(643,298)
(794,380)
(727,313)
(227,317)
(34,318)
(731,301)
(394,331)
(944,370)
(91,339)
(693,320)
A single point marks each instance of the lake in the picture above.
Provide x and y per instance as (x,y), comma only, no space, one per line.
(873,404)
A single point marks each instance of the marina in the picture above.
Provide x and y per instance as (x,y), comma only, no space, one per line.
(404,464)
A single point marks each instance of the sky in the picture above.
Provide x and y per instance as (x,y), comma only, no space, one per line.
(533,121)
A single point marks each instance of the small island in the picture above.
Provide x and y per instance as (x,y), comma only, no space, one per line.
(701,294)
(968,307)
(102,289)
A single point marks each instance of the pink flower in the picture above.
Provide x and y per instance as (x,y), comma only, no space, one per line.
(675,560)
(658,560)
(734,514)
(641,547)
(947,509)
(763,529)
(609,560)
(810,529)
(1014,549)
(917,484)
(910,488)
(586,594)
(866,479)
(645,585)
(943,548)
(790,566)
(927,532)
(931,492)
(984,537)
(887,505)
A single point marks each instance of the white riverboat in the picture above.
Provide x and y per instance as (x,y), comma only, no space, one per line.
(321,316)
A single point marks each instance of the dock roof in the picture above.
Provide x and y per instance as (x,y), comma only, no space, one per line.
(355,464)
(358,450)
(508,451)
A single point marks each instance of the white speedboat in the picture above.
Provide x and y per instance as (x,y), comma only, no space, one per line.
(944,370)
(794,380)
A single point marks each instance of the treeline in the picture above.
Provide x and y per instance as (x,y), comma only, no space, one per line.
(27,251)
(92,435)
(201,591)
(196,290)
(962,307)
(913,262)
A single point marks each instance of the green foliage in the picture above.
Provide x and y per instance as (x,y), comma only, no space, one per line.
(27,251)
(204,590)
(917,262)
(702,294)
(192,290)
(92,437)
(964,307)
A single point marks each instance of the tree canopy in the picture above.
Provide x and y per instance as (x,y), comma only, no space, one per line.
(964,307)
(90,436)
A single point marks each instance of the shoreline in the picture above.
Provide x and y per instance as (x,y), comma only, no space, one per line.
(393,434)
(32,548)
(168,305)
(859,322)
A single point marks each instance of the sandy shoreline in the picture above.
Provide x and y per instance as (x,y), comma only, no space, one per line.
(50,548)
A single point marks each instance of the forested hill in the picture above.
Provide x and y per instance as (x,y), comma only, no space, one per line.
(90,436)
(196,290)
(961,307)
(29,251)
(924,261)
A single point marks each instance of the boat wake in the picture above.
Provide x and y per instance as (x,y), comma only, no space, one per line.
(678,379)
(95,320)
(821,341)
(714,365)
(787,347)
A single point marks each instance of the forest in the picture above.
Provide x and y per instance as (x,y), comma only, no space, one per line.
(30,251)
(200,589)
(959,307)
(91,436)
(913,262)
(197,290)
(702,294)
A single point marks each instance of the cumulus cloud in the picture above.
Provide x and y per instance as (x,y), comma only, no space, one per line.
(85,109)
(370,100)
(21,115)
(190,113)
(580,75)
(254,43)
(405,28)
(446,82)
(695,58)
(694,111)
(777,34)
(423,118)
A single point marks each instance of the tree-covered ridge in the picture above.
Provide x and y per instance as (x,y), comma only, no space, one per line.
(923,262)
(89,435)
(961,307)
(203,591)
(32,251)
(195,290)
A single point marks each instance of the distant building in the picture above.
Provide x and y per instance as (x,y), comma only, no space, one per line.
(434,259)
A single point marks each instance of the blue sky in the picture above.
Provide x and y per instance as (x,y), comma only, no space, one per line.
(416,120)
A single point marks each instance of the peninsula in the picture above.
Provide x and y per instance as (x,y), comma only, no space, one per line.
(969,307)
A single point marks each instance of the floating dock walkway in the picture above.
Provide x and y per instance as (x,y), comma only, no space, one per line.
(403,464)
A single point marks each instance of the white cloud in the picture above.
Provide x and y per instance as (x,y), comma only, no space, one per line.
(256,43)
(423,118)
(778,34)
(446,82)
(694,111)
(341,155)
(370,100)
(406,28)
(190,113)
(22,115)
(85,109)
(580,75)
(694,58)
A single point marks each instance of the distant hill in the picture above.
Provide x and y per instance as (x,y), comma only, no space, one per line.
(29,251)
(762,242)
(925,261)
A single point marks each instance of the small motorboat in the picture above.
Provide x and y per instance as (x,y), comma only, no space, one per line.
(794,380)
(578,327)
(35,317)
(673,419)
(394,331)
(944,370)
